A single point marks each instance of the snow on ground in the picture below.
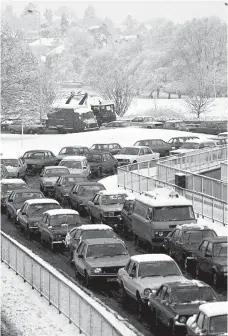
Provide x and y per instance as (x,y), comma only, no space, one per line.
(17,144)
(27,312)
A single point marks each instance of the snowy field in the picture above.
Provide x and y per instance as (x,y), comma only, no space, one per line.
(16,144)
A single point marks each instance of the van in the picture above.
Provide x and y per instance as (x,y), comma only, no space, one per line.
(177,142)
(157,213)
(76,165)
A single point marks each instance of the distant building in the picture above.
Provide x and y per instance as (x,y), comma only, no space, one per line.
(46,47)
(100,34)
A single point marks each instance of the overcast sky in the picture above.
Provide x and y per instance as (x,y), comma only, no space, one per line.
(177,11)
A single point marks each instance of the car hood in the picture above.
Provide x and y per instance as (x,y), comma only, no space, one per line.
(33,161)
(222,261)
(124,156)
(156,282)
(51,180)
(86,199)
(112,207)
(120,261)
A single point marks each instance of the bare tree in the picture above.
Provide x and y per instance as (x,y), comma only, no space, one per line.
(198,103)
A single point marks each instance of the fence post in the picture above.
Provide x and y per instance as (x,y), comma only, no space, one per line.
(24,267)
(223,214)
(148,166)
(212,215)
(16,262)
(69,307)
(90,322)
(202,206)
(58,299)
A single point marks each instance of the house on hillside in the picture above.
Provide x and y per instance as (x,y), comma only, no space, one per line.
(126,38)
(100,34)
(46,47)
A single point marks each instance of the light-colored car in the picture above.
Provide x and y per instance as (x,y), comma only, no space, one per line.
(223,134)
(211,320)
(49,176)
(16,167)
(76,165)
(145,273)
(194,145)
(135,154)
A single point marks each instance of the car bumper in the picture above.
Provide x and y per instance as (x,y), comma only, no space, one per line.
(112,277)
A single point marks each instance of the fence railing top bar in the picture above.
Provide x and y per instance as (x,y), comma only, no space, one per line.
(112,320)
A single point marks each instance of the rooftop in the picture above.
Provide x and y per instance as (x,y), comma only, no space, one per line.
(214,308)
(163,197)
(193,226)
(56,167)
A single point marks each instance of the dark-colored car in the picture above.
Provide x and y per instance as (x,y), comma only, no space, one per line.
(175,302)
(55,225)
(7,186)
(102,163)
(72,150)
(113,148)
(17,198)
(82,193)
(38,159)
(210,260)
(115,124)
(31,212)
(65,183)
(106,207)
(177,142)
(184,240)
(49,176)
(100,258)
(157,146)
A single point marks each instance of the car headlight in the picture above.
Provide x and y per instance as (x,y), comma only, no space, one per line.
(159,233)
(147,291)
(97,270)
(182,319)
(224,269)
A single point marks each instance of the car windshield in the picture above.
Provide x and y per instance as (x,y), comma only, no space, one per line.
(193,237)
(88,115)
(70,219)
(105,250)
(184,294)
(70,181)
(90,234)
(173,213)
(190,145)
(100,146)
(220,249)
(72,164)
(218,324)
(39,209)
(69,151)
(89,190)
(142,143)
(56,172)
(10,162)
(129,151)
(13,186)
(94,158)
(24,196)
(34,155)
(113,199)
(158,268)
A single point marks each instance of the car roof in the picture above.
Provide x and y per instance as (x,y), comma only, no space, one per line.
(12,181)
(73,175)
(27,190)
(137,147)
(184,136)
(219,239)
(105,144)
(90,184)
(41,201)
(38,150)
(112,192)
(151,258)
(147,140)
(89,227)
(98,241)
(187,283)
(54,212)
(214,308)
(55,167)
(161,197)
(77,147)
(74,158)
(193,226)
(200,140)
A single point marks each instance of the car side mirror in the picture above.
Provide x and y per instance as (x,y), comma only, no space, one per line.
(84,167)
(80,256)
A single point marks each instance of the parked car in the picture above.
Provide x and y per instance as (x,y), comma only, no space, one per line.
(211,320)
(184,240)
(32,128)
(82,232)
(223,134)
(135,154)
(174,302)
(138,121)
(55,225)
(102,163)
(31,212)
(49,176)
(16,167)
(72,150)
(115,124)
(17,198)
(156,145)
(106,207)
(7,186)
(126,215)
(65,183)
(177,142)
(157,213)
(82,193)
(100,258)
(191,146)
(152,124)
(219,141)
(113,148)
(188,127)
(38,159)
(174,124)
(76,165)
(144,274)
(4,172)
(210,260)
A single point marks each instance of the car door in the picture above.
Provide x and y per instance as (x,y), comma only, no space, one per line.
(110,164)
(105,163)
(201,255)
(158,302)
(129,279)
(75,239)
(141,155)
(80,262)
(57,188)
(208,261)
(10,203)
(96,207)
(51,159)
(73,196)
(197,327)
(22,216)
(41,226)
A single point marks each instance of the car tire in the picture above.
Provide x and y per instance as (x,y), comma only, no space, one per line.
(28,233)
(99,172)
(166,153)
(12,131)
(87,280)
(134,161)
(30,132)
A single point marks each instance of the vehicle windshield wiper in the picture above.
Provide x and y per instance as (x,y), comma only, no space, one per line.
(150,275)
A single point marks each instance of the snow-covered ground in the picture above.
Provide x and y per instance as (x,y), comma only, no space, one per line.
(26,312)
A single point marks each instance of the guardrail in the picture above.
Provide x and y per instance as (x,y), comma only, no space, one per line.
(224,174)
(84,312)
(204,205)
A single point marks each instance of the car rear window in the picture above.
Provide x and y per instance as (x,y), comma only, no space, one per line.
(72,164)
(68,181)
(89,234)
(105,250)
(56,172)
(191,237)
(185,294)
(89,190)
(39,209)
(158,268)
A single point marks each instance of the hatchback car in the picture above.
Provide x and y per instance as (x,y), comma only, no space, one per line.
(76,165)
(49,176)
(82,193)
(102,163)
(7,186)
(157,145)
(38,159)
(113,148)
(193,145)
(16,167)
(135,154)
(174,302)
(177,142)
(72,150)
(31,212)
(17,198)
(211,320)
(100,258)
(55,225)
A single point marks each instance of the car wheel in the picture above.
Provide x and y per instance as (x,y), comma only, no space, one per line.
(29,233)
(99,172)
(139,306)
(12,131)
(87,280)
(30,132)
(166,153)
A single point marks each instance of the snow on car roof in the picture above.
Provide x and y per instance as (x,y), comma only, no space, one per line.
(193,226)
(188,283)
(97,241)
(74,158)
(200,140)
(130,198)
(94,227)
(113,192)
(151,257)
(42,201)
(12,181)
(55,167)
(55,212)
(163,197)
(214,308)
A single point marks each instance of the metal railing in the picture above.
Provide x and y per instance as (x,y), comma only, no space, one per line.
(89,316)
(204,205)
(224,173)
